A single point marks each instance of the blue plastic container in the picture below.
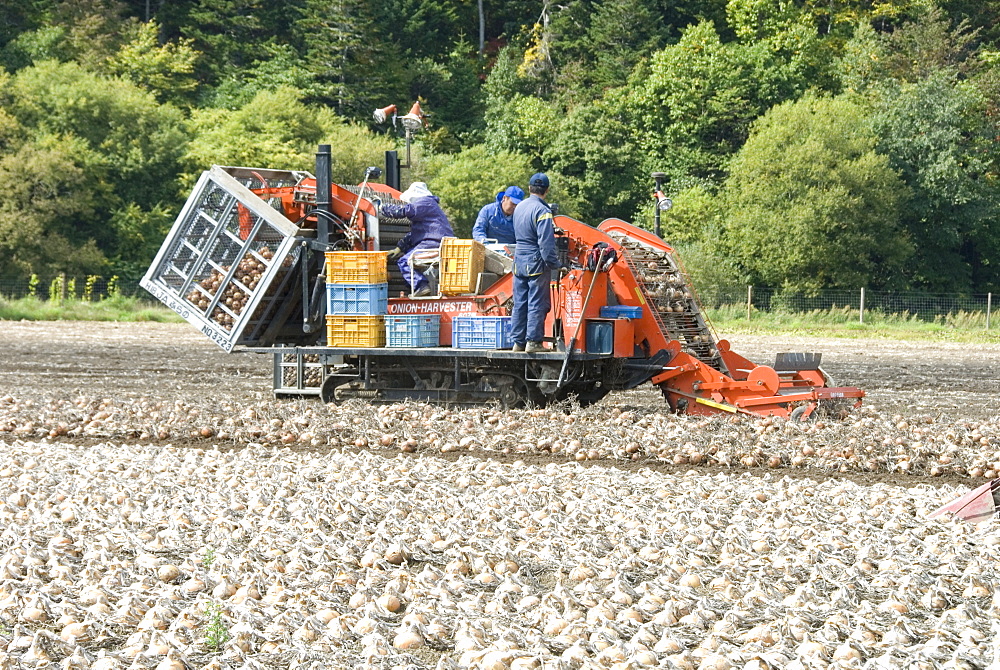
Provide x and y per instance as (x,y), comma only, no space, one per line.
(481,332)
(621,312)
(361,299)
(413,330)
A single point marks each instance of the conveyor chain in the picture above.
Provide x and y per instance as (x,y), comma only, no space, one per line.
(672,300)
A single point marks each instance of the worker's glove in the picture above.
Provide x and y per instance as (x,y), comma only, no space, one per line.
(395,254)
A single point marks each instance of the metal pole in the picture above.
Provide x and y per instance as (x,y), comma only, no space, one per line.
(323,179)
(861,311)
(392,169)
(658,178)
(989,308)
(749,299)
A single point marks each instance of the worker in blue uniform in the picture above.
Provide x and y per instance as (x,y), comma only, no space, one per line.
(429,224)
(496,220)
(534,259)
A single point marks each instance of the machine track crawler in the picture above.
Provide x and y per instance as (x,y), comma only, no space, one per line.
(244,263)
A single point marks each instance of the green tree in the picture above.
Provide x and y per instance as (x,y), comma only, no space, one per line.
(139,139)
(351,63)
(470,179)
(983,14)
(422,28)
(929,44)
(94,29)
(452,90)
(43,43)
(597,44)
(277,130)
(279,66)
(938,134)
(809,204)
(594,150)
(138,234)
(166,70)
(693,107)
(503,87)
(16,18)
(54,191)
(231,33)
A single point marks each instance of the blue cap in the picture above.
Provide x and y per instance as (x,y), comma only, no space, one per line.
(515,194)
(539,179)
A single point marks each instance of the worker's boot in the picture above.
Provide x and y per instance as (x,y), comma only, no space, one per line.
(517,347)
(421,292)
(534,348)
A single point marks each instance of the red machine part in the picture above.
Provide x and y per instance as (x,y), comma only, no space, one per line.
(703,376)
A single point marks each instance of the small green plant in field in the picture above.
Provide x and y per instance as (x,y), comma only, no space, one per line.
(71,289)
(113,289)
(208,557)
(88,288)
(216,632)
(33,285)
(56,289)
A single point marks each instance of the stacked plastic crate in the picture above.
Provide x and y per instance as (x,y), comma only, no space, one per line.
(357,295)
(413,330)
(461,263)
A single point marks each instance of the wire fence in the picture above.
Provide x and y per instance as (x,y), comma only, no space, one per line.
(963,309)
(956,308)
(91,287)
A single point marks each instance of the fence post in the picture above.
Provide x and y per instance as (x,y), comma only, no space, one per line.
(861,311)
(749,299)
(989,306)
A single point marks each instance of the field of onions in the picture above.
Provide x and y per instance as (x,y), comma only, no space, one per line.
(158,509)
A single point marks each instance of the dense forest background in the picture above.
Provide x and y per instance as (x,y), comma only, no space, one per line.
(809,144)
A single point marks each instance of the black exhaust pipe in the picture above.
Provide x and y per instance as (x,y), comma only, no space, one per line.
(323,190)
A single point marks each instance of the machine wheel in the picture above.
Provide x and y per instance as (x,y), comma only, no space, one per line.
(802,414)
(513,393)
(328,391)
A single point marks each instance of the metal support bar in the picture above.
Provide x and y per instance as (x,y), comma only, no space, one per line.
(323,189)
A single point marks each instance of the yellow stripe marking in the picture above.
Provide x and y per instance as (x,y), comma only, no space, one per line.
(716,405)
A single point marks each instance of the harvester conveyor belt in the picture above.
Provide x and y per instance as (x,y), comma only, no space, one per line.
(672,300)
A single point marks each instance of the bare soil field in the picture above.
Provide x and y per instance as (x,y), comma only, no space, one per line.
(160,509)
(174,361)
(906,383)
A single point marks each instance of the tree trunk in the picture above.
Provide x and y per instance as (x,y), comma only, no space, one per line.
(482,28)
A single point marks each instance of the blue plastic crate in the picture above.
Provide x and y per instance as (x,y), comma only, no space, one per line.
(413,330)
(362,299)
(621,312)
(481,332)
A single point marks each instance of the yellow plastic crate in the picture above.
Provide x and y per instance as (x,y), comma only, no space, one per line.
(461,262)
(355,331)
(357,267)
